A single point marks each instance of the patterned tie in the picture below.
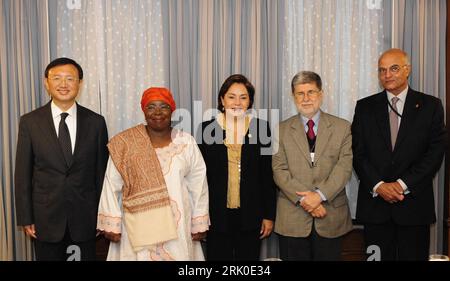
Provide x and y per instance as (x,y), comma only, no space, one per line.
(310,133)
(64,138)
(393,121)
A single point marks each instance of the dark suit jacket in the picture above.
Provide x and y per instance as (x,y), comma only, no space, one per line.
(417,156)
(258,190)
(50,194)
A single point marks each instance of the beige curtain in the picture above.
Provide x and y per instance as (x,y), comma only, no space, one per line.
(24,53)
(209,40)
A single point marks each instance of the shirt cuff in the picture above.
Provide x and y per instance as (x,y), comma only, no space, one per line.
(404,186)
(374,190)
(299,200)
(321,194)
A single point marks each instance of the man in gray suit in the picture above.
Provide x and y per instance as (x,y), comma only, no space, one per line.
(311,166)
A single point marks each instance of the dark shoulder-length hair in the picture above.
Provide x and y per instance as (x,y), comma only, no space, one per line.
(239,79)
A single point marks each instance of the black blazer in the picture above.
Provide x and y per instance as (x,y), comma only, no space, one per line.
(258,190)
(417,156)
(50,194)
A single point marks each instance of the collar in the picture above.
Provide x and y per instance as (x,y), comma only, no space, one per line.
(56,111)
(315,118)
(401,96)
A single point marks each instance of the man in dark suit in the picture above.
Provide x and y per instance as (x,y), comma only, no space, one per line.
(60,163)
(399,141)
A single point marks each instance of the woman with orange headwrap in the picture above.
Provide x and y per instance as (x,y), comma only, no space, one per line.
(154,203)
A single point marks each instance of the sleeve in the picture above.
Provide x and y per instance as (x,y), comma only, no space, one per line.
(283,178)
(23,175)
(361,164)
(110,206)
(102,156)
(342,171)
(432,158)
(198,189)
(268,184)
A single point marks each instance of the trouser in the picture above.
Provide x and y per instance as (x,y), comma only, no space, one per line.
(398,242)
(235,244)
(311,248)
(66,249)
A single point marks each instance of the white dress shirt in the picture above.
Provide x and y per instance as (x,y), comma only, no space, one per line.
(71,121)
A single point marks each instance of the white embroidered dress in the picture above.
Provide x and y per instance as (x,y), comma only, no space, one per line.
(185,175)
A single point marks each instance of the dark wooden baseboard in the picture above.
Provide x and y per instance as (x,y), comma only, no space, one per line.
(353,248)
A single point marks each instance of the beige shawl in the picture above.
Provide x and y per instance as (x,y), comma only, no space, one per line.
(146,205)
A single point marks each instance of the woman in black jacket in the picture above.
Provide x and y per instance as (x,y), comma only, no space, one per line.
(242,193)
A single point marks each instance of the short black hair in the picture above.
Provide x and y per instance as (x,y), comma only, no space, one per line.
(238,79)
(64,61)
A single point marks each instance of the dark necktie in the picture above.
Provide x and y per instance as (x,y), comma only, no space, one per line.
(64,139)
(393,122)
(311,135)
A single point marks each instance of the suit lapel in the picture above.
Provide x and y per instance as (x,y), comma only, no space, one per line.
(412,105)
(299,135)
(382,117)
(323,135)
(82,124)
(48,128)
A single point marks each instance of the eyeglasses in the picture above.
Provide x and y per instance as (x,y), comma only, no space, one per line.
(163,107)
(59,79)
(392,69)
(312,94)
